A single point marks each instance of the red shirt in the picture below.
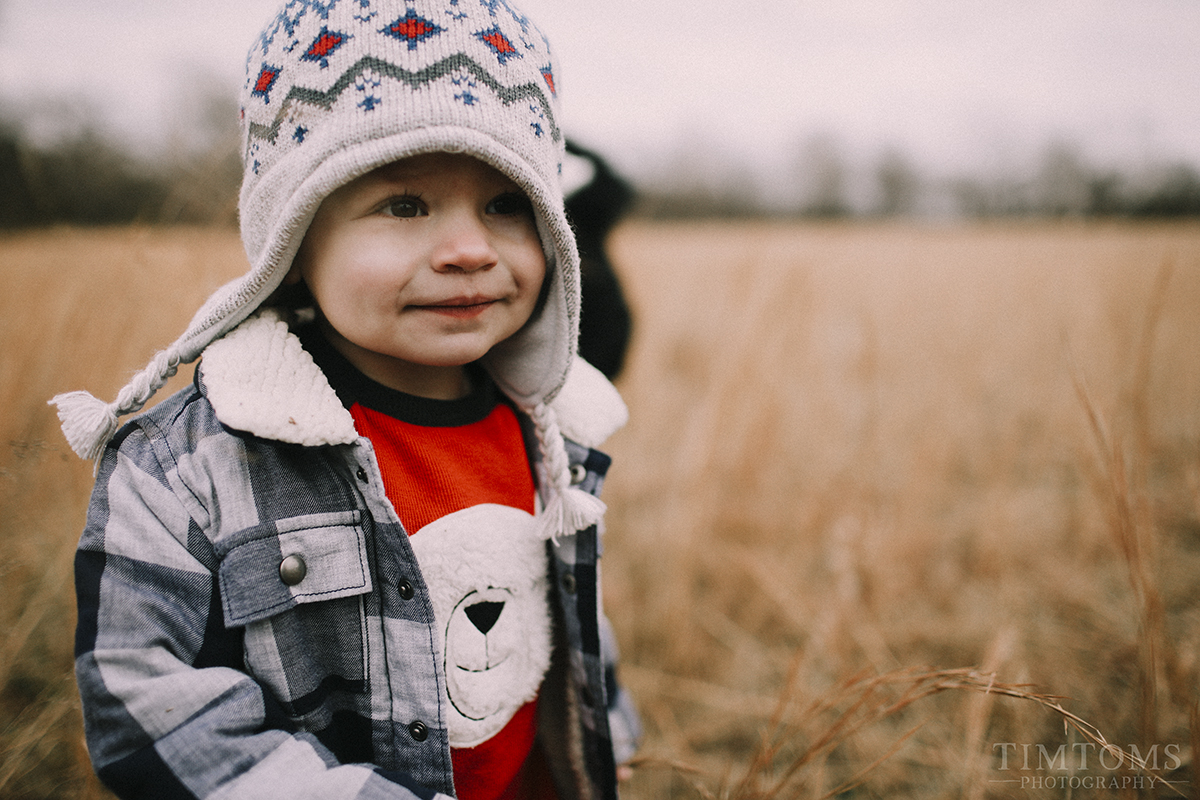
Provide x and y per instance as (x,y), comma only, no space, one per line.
(438,457)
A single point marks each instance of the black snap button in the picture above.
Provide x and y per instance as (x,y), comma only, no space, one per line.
(405,589)
(362,474)
(292,570)
(568,582)
(578,473)
(419,731)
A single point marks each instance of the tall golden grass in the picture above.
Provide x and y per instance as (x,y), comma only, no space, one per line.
(897,508)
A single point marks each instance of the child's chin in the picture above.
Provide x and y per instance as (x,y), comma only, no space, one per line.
(465,351)
(456,359)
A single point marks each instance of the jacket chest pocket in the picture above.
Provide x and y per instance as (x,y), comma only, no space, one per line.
(298,587)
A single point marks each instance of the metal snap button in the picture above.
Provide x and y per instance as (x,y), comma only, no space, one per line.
(405,589)
(292,570)
(362,474)
(419,731)
(568,582)
(578,474)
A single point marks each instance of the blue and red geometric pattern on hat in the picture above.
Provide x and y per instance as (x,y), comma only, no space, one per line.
(493,5)
(495,39)
(413,29)
(326,44)
(288,20)
(267,77)
(484,56)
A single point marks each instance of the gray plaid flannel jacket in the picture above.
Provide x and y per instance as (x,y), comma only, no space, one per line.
(203,674)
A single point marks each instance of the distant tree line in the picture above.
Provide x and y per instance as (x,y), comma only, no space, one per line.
(821,182)
(86,178)
(83,177)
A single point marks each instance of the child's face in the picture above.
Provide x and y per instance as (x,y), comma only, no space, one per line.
(420,267)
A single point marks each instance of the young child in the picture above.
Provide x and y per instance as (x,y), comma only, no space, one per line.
(358,557)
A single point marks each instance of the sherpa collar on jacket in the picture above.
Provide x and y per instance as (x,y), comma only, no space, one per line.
(260,379)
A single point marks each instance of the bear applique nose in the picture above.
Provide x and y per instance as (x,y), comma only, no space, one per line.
(484,615)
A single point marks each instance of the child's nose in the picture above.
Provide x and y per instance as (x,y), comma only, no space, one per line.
(463,245)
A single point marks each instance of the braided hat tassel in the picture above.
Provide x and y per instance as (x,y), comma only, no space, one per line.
(567,509)
(88,422)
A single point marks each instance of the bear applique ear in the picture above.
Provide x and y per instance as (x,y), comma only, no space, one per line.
(486,571)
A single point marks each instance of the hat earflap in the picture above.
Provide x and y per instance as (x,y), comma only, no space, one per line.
(567,509)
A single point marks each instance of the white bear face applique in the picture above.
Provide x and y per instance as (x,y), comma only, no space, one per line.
(485,567)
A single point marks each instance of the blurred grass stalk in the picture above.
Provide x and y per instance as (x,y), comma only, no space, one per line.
(1121,478)
(867,453)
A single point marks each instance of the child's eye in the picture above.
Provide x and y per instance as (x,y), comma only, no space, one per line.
(405,207)
(510,203)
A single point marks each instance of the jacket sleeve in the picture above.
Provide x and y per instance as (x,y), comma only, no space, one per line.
(168,711)
(624,723)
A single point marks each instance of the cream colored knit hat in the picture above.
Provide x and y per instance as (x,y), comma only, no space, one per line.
(335,89)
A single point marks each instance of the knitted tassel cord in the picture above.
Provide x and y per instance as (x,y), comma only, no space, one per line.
(88,422)
(567,509)
(144,384)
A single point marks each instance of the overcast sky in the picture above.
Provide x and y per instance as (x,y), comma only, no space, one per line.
(952,82)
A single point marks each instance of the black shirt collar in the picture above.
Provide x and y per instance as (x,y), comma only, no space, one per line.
(352,386)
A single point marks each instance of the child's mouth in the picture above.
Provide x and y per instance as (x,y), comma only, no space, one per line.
(459,307)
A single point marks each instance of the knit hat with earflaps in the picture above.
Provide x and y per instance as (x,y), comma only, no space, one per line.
(335,89)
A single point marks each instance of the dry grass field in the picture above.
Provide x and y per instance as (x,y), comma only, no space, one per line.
(901,511)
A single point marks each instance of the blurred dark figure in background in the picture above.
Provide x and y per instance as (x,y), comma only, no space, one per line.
(594,208)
